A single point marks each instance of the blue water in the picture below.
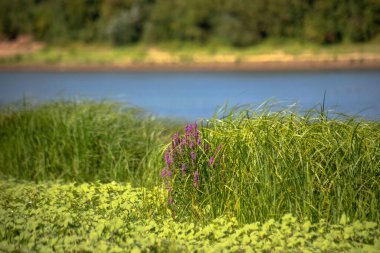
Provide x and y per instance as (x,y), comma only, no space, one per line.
(198,95)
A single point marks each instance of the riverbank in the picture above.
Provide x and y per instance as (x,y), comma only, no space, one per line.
(200,67)
(267,56)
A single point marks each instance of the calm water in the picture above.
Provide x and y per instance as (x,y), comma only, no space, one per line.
(197,95)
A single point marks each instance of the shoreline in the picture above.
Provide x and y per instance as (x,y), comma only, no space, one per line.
(265,66)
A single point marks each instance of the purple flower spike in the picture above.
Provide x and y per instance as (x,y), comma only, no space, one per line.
(195,130)
(191,144)
(167,158)
(207,147)
(192,155)
(171,201)
(169,173)
(219,147)
(196,177)
(183,169)
(175,139)
(163,173)
(211,162)
(199,141)
(188,129)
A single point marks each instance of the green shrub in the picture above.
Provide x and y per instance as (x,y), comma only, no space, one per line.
(126,28)
(234,31)
(15,18)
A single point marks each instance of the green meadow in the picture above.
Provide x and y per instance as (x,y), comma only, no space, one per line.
(85,176)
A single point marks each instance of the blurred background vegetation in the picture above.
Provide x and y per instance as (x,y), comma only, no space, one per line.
(236,23)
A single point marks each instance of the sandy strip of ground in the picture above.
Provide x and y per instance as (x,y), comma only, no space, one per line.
(202,67)
(22,45)
(158,60)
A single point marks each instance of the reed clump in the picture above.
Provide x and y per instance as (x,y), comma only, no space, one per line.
(80,141)
(257,165)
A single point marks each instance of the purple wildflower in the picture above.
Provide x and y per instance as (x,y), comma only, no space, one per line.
(188,129)
(175,140)
(192,155)
(196,132)
(169,173)
(192,144)
(207,147)
(167,157)
(183,169)
(219,147)
(171,201)
(196,177)
(211,162)
(199,141)
(163,173)
(174,152)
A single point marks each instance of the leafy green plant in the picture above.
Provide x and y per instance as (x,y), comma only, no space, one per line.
(116,217)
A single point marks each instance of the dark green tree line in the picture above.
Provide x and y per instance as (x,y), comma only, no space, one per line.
(231,22)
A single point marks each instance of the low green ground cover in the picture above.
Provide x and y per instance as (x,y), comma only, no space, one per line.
(258,179)
(116,217)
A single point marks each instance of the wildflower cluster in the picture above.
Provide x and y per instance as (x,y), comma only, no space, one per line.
(189,162)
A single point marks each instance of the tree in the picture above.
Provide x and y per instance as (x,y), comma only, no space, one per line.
(15,18)
(126,28)
(323,23)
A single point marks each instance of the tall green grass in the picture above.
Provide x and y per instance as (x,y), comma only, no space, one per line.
(274,162)
(80,141)
(253,164)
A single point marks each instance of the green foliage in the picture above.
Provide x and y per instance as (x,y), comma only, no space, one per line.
(236,23)
(126,27)
(15,18)
(261,164)
(278,181)
(180,21)
(324,24)
(81,141)
(62,21)
(363,20)
(118,218)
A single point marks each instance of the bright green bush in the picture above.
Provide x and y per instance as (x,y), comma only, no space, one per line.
(80,141)
(54,217)
(261,165)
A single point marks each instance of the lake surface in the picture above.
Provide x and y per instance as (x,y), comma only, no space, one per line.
(198,95)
